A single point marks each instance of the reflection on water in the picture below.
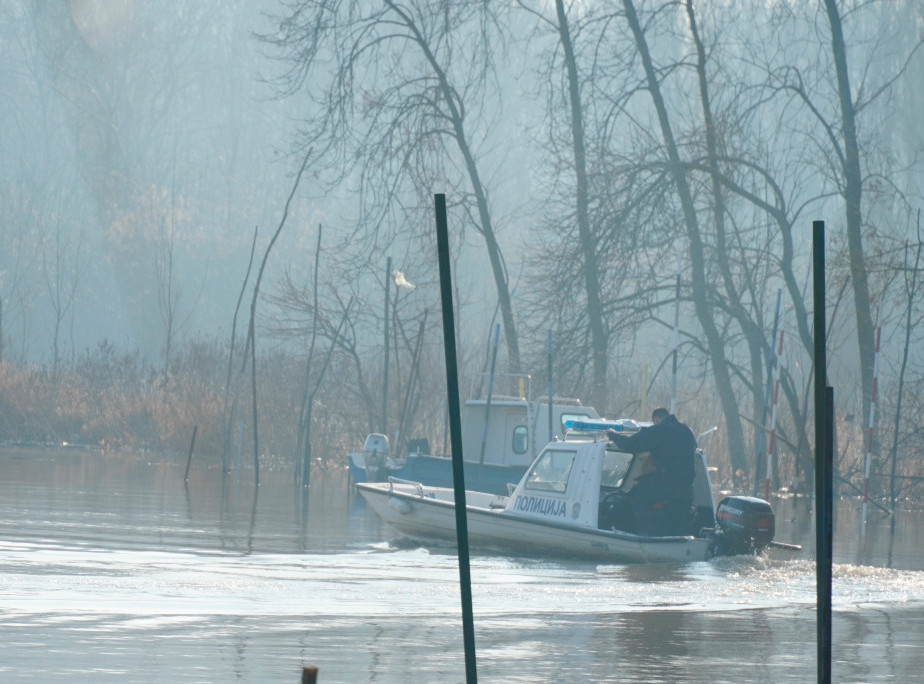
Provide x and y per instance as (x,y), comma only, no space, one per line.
(113,569)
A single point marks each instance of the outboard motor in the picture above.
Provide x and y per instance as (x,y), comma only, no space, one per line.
(743,525)
(375,455)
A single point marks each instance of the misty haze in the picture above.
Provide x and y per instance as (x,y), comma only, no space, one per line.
(219,243)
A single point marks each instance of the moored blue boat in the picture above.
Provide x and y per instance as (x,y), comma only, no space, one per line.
(501,436)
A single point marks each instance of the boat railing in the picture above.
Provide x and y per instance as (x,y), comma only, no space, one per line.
(559,401)
(392,481)
(509,385)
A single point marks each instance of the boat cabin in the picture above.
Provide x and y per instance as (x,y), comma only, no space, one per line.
(582,481)
(510,431)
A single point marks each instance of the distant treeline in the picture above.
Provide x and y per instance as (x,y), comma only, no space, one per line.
(116,400)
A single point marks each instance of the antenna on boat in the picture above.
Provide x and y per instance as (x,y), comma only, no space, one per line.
(706,433)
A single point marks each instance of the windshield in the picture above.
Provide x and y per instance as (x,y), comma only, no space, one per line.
(615,466)
(551,471)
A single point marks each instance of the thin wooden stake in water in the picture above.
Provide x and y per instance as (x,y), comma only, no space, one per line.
(824,457)
(455,437)
(192,445)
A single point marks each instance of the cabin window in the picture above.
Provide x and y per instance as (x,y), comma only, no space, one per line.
(565,417)
(551,472)
(615,466)
(520,439)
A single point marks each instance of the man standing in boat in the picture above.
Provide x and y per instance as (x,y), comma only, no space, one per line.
(661,499)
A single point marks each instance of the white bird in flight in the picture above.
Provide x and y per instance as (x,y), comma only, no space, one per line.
(401,281)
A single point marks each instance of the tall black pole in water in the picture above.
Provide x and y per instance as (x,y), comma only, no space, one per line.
(824,460)
(455,437)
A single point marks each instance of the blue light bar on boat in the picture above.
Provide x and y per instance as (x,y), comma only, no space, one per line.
(603,424)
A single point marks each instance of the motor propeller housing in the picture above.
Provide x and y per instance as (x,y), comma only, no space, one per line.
(743,525)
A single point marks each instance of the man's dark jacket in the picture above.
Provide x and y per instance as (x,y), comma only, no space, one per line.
(671,445)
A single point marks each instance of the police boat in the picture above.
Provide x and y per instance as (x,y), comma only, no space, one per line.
(570,503)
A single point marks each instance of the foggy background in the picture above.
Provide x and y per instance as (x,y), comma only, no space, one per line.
(151,153)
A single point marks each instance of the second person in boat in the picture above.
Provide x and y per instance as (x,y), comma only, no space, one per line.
(661,500)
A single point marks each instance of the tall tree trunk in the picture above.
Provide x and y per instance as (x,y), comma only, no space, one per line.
(588,248)
(714,342)
(758,346)
(456,118)
(911,290)
(852,191)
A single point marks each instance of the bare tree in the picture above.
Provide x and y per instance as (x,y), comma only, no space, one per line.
(848,149)
(168,289)
(251,343)
(589,278)
(230,396)
(913,318)
(582,208)
(63,266)
(396,111)
(833,124)
(715,345)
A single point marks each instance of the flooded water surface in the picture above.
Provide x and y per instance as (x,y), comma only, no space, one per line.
(112,569)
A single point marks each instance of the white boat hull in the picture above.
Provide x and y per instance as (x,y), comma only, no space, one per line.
(428,514)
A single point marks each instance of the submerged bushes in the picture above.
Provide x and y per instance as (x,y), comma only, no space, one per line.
(113,399)
(118,400)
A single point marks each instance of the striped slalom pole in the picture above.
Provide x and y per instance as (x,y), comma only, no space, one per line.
(551,386)
(871,425)
(760,461)
(676,339)
(775,400)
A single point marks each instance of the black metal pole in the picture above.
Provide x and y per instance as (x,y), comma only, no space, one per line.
(824,458)
(455,437)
